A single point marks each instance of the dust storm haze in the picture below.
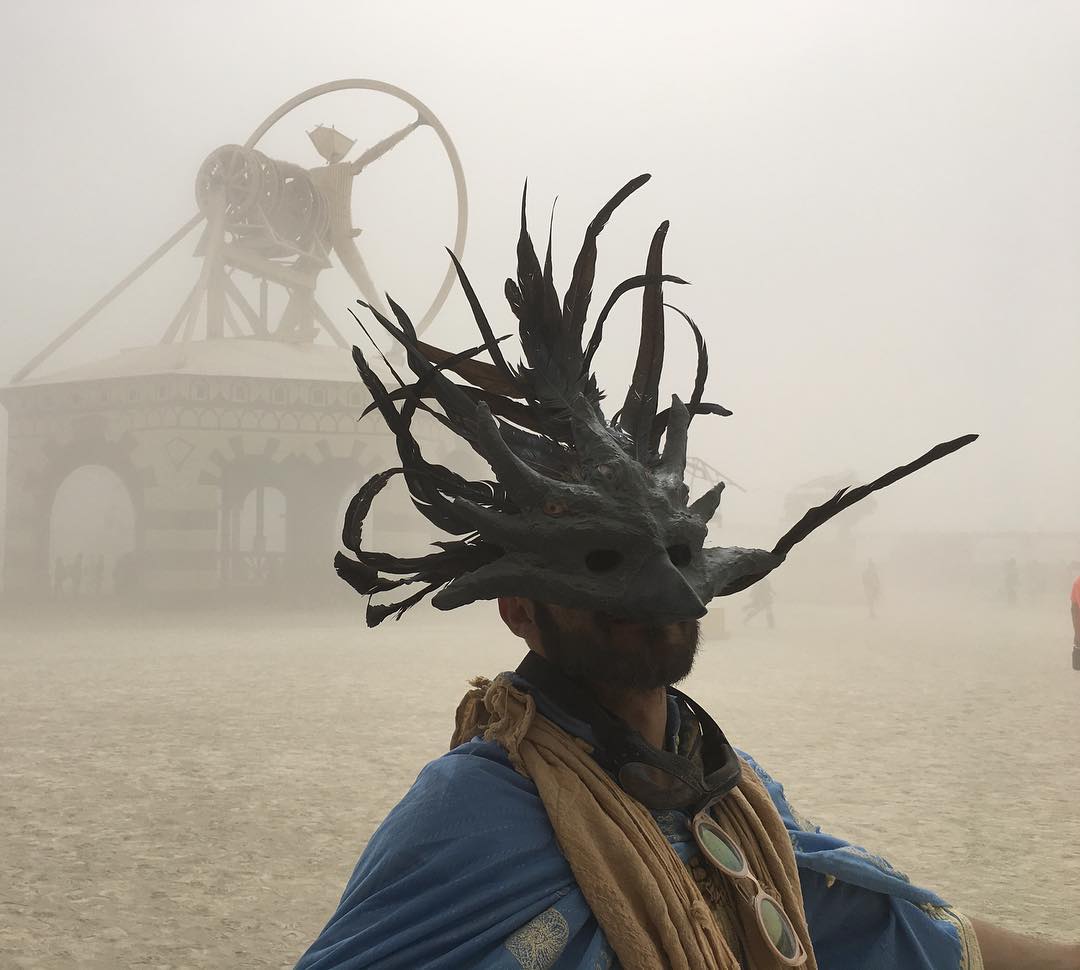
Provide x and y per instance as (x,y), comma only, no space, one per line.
(878,208)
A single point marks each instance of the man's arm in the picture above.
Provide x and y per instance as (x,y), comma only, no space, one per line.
(1005,950)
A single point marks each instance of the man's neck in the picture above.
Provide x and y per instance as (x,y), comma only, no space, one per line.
(644,711)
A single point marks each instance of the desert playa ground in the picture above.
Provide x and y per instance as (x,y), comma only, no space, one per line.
(192,789)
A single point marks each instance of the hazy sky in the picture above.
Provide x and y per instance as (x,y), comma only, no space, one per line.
(878,204)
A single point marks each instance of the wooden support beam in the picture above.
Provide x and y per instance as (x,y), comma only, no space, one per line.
(189,324)
(215,305)
(230,320)
(255,321)
(328,325)
(192,301)
(74,328)
(234,255)
(213,268)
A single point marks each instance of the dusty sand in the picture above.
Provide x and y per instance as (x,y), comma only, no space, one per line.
(193,790)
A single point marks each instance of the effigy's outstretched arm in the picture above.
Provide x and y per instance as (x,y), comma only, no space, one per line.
(381,148)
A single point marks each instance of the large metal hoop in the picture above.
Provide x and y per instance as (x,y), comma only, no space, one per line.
(368,84)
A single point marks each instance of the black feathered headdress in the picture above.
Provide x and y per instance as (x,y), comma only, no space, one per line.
(584,511)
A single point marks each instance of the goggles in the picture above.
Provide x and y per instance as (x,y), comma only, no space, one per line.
(718,847)
(662,780)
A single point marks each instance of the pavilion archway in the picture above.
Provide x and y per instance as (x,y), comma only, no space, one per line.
(92,533)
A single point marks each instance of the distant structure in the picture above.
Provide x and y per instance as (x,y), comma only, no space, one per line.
(232,443)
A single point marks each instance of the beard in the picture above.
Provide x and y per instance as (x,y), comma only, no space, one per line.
(597,648)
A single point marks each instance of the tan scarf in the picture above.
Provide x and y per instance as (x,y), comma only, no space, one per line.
(644,898)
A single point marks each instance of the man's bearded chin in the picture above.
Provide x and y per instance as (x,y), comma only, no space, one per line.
(597,648)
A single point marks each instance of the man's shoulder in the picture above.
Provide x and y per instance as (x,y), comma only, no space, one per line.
(466,858)
(472,792)
(470,773)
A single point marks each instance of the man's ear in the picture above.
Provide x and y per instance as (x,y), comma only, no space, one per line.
(518,614)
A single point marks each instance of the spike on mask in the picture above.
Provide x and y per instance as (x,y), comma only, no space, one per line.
(584,511)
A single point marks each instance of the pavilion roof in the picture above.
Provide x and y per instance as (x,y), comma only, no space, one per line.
(234,357)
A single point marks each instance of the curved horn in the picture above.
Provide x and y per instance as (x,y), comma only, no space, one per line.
(705,507)
(729,570)
(526,486)
(593,440)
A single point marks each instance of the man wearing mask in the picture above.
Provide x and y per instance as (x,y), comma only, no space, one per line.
(589,814)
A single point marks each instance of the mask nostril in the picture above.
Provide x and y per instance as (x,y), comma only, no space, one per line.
(603,560)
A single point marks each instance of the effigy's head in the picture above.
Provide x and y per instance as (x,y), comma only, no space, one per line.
(584,511)
(330,143)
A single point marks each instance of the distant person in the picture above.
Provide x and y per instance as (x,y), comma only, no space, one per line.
(871,587)
(59,577)
(1012,581)
(1074,606)
(96,575)
(124,574)
(273,571)
(1034,581)
(761,600)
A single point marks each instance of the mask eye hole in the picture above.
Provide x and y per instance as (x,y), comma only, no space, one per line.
(555,509)
(680,555)
(603,560)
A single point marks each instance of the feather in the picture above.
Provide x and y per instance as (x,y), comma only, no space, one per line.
(378,350)
(513,297)
(847,497)
(443,360)
(455,403)
(639,409)
(429,567)
(455,558)
(481,320)
(376,613)
(418,472)
(552,313)
(547,422)
(364,578)
(623,288)
(459,418)
(487,377)
(530,289)
(702,361)
(352,528)
(579,292)
(398,393)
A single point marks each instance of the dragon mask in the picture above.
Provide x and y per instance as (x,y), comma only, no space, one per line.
(584,511)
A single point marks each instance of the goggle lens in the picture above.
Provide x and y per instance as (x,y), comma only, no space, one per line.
(722,852)
(777,927)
